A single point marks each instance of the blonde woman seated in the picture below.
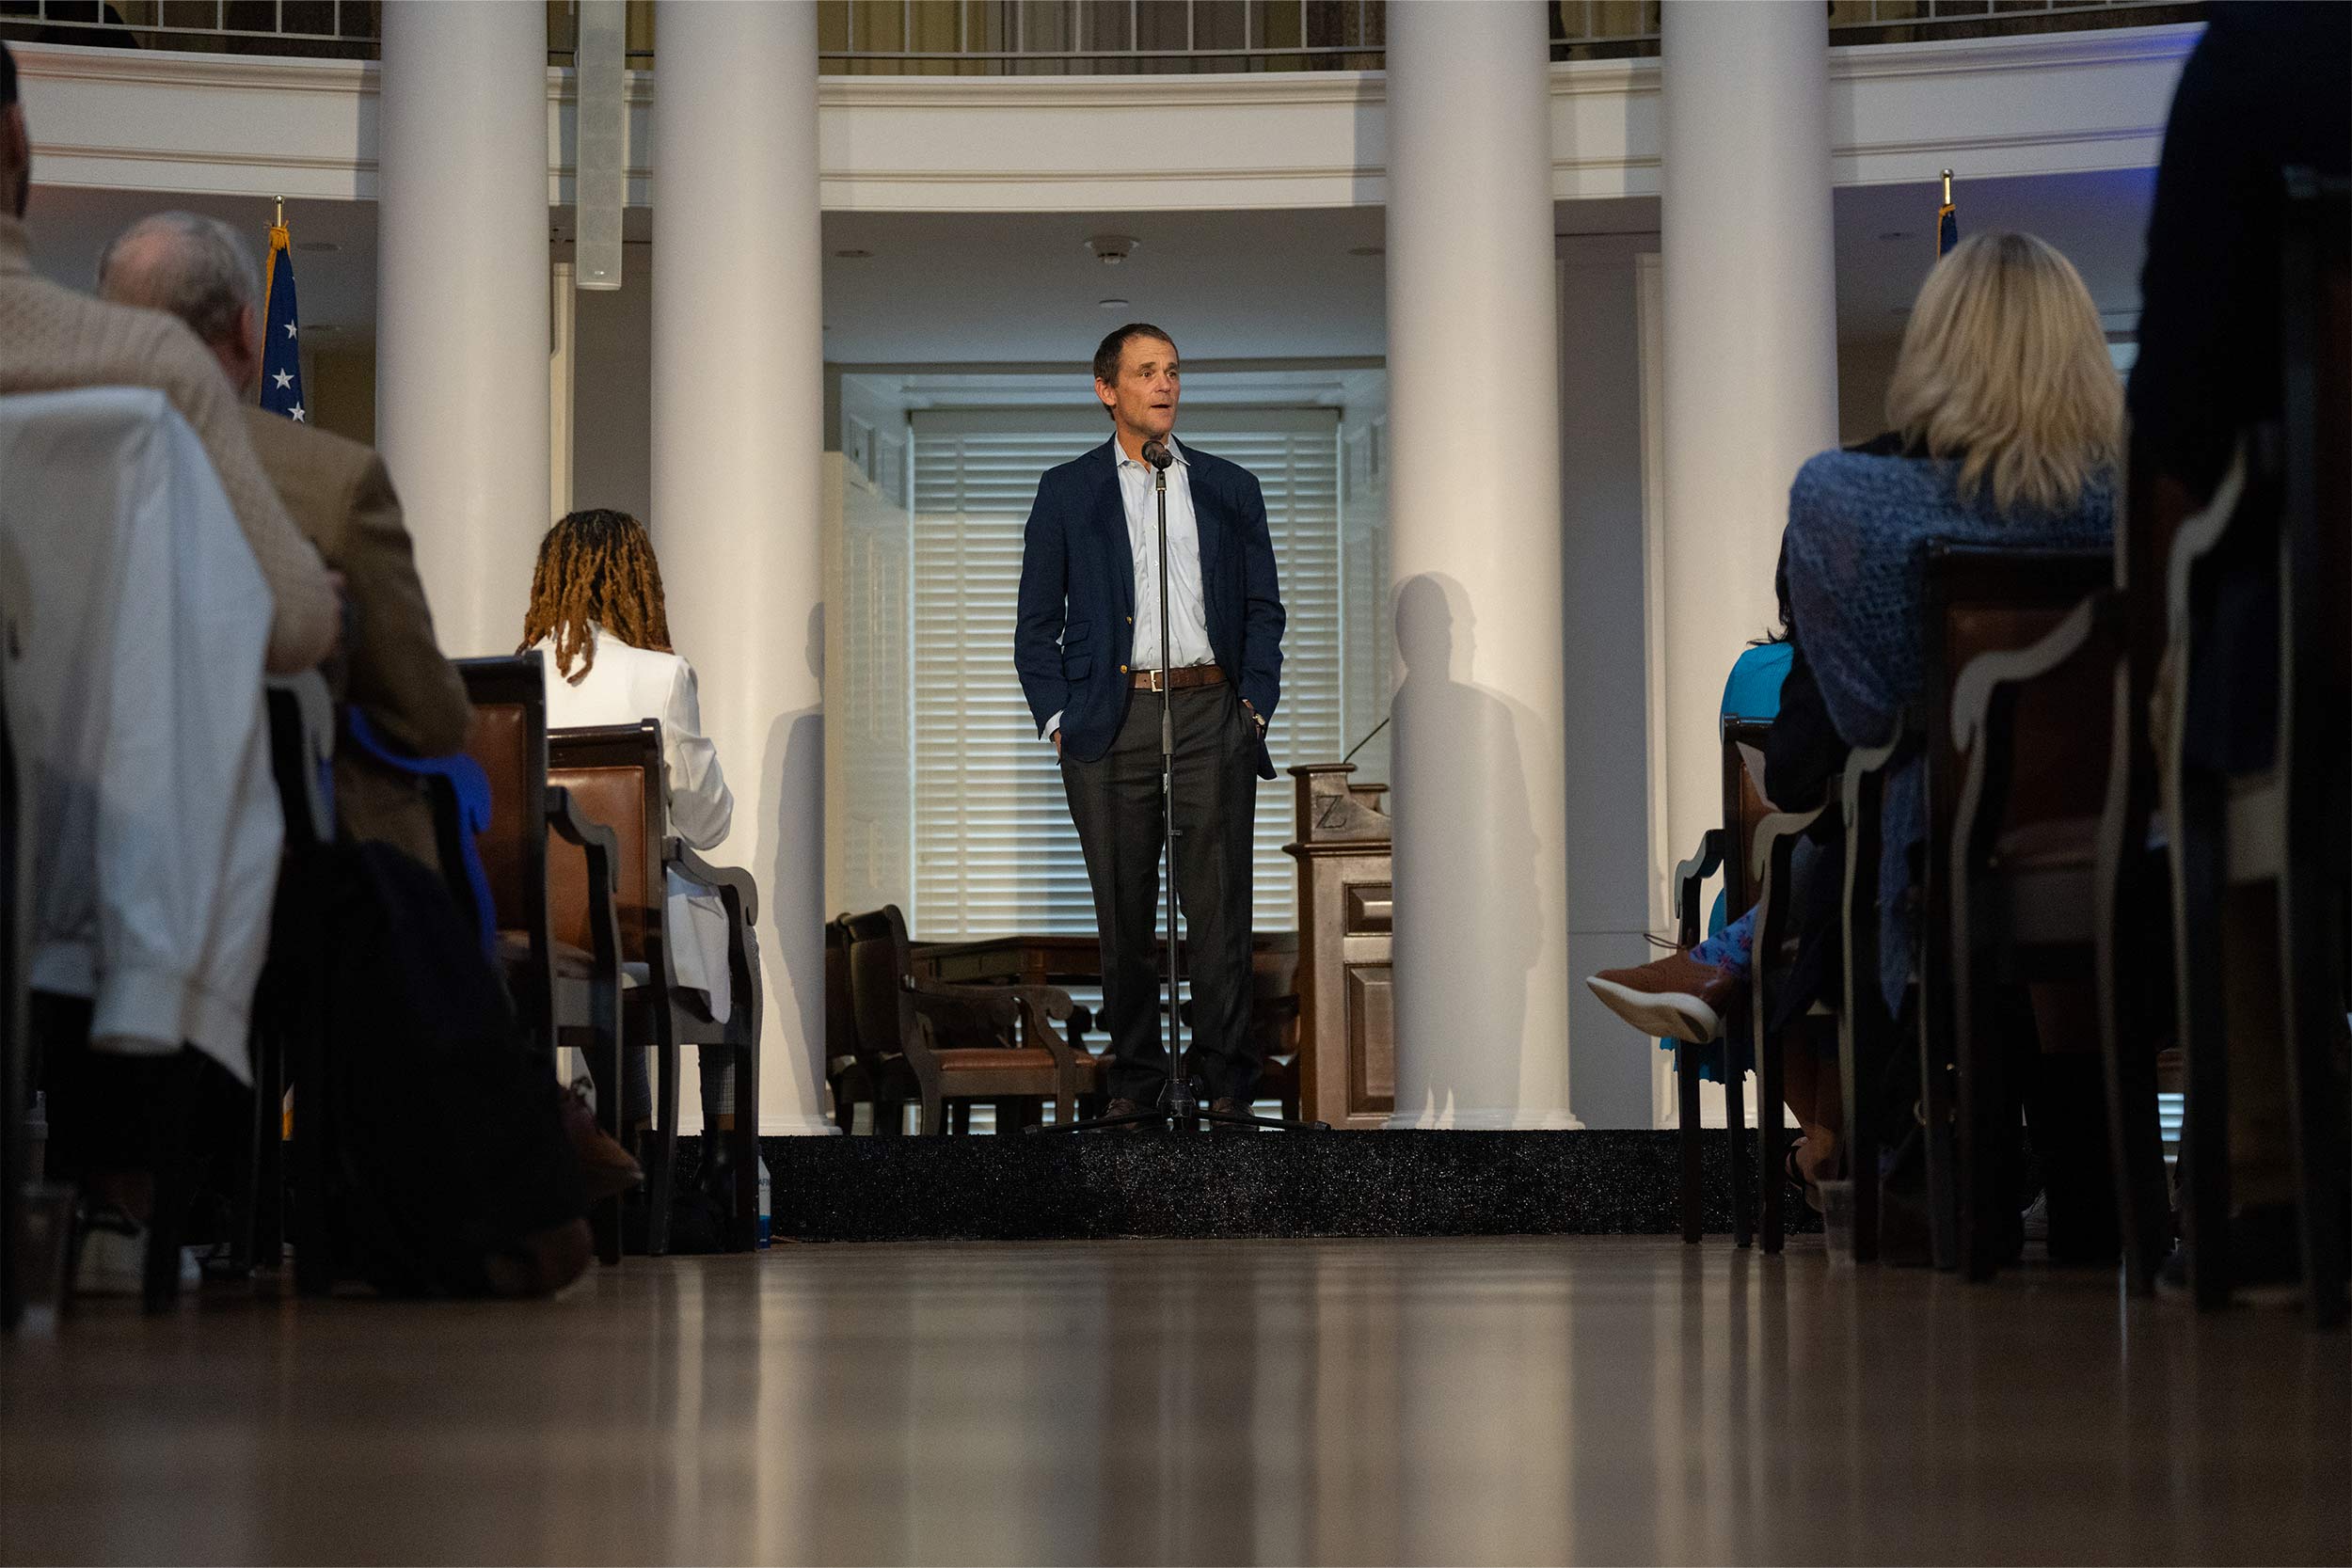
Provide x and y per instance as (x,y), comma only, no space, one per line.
(599,625)
(2005,422)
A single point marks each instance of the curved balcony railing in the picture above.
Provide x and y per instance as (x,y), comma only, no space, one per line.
(1042,38)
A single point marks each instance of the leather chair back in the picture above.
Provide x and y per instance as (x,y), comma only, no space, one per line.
(1984,599)
(617,780)
(507,738)
(499,739)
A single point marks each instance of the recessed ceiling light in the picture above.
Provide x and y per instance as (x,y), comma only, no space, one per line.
(1111,249)
(318,247)
(1369,250)
(854,255)
(1112,304)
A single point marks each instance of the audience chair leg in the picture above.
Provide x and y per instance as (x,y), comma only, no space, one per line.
(1771,1133)
(1735,1130)
(2200,885)
(1693,1148)
(2314,1098)
(662,1180)
(746,1136)
(2143,1208)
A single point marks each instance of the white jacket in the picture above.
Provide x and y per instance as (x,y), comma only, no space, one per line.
(137,624)
(624,685)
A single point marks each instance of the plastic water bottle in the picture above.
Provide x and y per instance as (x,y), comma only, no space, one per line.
(765,1209)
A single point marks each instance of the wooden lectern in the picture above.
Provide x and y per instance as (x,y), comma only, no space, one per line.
(1346,1024)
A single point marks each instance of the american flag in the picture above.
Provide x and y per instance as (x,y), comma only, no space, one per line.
(281,341)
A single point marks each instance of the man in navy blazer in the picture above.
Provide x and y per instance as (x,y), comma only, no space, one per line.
(1087,646)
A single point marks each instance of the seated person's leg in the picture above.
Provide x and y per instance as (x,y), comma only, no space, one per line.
(1682,995)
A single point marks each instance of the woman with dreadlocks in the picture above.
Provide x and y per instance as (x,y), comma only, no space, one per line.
(598,621)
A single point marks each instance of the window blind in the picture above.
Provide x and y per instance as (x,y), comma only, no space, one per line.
(993,849)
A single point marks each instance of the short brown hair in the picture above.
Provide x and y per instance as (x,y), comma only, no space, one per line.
(1106,356)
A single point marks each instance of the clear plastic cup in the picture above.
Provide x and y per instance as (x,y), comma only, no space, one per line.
(1837,1221)
(46,1252)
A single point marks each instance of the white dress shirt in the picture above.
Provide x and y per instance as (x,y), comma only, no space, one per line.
(1187,610)
(624,684)
(137,622)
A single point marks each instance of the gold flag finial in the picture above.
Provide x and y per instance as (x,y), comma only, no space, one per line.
(1948,187)
(282,201)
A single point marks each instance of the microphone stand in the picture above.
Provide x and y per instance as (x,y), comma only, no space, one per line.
(1179,1108)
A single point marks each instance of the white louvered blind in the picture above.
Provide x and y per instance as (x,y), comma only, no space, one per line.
(993,849)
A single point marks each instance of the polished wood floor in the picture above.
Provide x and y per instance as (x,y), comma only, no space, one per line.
(1482,1401)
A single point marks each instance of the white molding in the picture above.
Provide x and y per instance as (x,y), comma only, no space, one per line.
(2028,104)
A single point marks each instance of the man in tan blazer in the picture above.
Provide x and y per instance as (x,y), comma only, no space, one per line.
(199,270)
(52,339)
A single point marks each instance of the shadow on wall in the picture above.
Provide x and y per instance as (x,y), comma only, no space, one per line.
(793,770)
(1468,906)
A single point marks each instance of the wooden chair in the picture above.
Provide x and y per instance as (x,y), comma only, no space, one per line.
(2280,512)
(1976,600)
(618,778)
(845,1076)
(559,988)
(1752,850)
(961,1043)
(870,1070)
(2032,735)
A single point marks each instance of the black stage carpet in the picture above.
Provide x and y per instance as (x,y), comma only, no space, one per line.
(1098,1185)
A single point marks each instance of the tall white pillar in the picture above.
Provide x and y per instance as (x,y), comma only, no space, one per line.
(1482,918)
(738,447)
(1751,347)
(461,376)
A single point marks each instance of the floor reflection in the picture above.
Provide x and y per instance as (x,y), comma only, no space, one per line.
(1527,1400)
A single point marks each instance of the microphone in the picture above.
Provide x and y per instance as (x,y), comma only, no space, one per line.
(1156,454)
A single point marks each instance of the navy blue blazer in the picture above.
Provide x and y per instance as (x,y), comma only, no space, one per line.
(1077,628)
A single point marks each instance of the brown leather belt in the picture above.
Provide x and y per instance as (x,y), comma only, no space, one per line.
(1177,680)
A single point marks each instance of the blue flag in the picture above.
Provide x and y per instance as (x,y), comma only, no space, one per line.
(281,340)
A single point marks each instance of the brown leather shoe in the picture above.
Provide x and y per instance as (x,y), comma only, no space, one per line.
(606,1169)
(1123,1107)
(1675,997)
(1228,1107)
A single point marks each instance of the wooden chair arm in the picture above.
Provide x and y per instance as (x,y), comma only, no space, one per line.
(677,856)
(967,1016)
(1768,833)
(1689,875)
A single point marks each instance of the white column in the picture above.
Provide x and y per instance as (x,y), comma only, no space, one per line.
(738,448)
(461,373)
(1751,348)
(1481,982)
